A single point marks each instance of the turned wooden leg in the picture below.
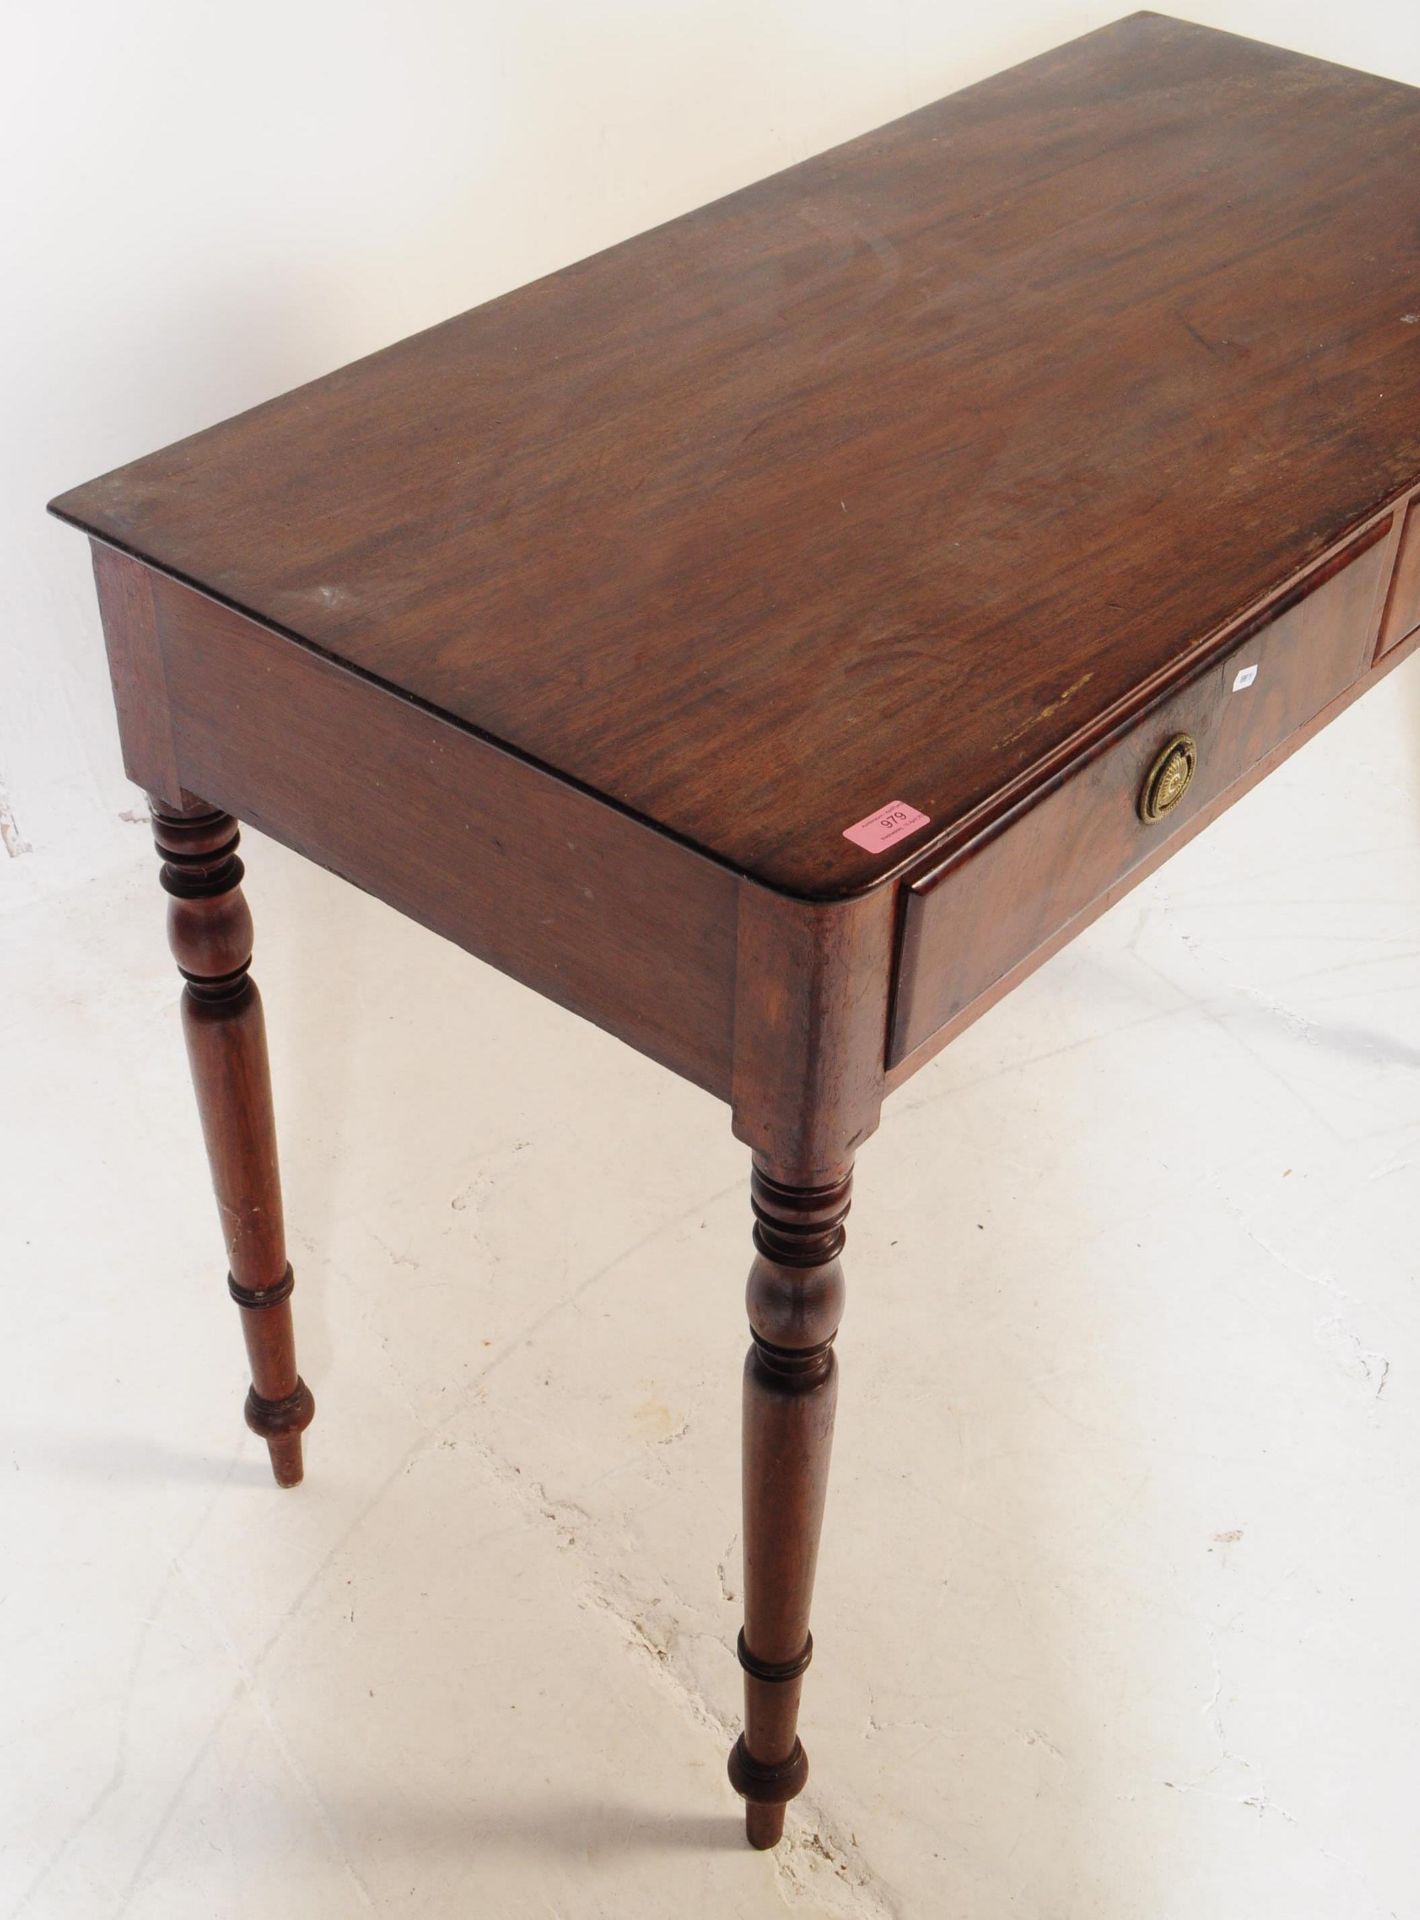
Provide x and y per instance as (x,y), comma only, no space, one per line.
(209,930)
(795,1299)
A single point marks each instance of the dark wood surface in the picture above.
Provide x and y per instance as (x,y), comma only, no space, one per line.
(1075,923)
(1402,615)
(967,922)
(591,909)
(210,932)
(812,987)
(881,480)
(795,1300)
(128,596)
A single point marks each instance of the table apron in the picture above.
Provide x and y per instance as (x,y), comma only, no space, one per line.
(590,907)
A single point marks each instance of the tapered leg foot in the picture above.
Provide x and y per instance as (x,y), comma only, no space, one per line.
(795,1300)
(764,1826)
(209,930)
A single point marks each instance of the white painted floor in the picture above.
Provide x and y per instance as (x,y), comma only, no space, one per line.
(1117,1602)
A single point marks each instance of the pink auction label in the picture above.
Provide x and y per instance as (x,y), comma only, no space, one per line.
(889,824)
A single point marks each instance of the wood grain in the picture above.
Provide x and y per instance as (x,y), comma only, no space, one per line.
(968,921)
(960,467)
(882,479)
(1402,614)
(795,1301)
(1067,930)
(811,1008)
(588,907)
(135,664)
(210,932)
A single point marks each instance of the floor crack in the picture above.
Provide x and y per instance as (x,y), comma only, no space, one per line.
(819,1864)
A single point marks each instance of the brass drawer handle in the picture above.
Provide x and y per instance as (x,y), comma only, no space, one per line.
(1169,777)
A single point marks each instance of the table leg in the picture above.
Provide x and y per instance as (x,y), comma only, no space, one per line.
(795,1298)
(210,932)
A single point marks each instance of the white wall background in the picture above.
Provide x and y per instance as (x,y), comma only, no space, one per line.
(206,205)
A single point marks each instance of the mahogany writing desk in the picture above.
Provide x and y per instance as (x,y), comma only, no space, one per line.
(774,636)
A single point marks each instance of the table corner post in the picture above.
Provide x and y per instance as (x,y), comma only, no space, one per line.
(811,996)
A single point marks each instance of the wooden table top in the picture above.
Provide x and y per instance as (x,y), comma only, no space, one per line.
(881,480)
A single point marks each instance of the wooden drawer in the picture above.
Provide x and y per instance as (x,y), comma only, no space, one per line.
(984,908)
(1402,614)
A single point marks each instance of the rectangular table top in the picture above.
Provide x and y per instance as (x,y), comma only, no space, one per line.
(879,481)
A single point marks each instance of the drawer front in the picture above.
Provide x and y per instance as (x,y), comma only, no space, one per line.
(1402,614)
(988,907)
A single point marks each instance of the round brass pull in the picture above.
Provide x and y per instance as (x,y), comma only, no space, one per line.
(1169,777)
